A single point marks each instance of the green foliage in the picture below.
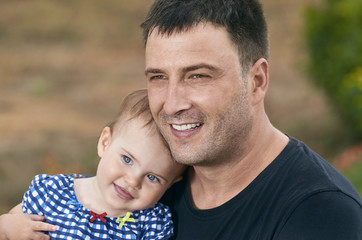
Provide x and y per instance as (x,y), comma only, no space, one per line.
(353,173)
(334,42)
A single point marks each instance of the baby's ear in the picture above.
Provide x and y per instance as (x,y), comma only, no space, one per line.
(104,141)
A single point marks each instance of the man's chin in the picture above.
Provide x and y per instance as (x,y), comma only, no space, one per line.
(187,157)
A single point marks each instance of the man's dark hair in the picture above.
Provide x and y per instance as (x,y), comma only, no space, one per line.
(243,19)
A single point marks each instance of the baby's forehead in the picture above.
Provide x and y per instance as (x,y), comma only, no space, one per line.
(137,122)
(141,128)
(143,122)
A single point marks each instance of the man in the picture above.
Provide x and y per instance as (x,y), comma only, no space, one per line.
(207,71)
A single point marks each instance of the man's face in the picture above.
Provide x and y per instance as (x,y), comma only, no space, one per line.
(197,94)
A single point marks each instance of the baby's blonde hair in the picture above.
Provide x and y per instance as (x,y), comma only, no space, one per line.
(135,105)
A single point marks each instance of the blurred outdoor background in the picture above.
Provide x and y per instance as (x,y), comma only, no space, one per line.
(66,65)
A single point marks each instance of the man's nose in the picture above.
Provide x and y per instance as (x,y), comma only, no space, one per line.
(176,99)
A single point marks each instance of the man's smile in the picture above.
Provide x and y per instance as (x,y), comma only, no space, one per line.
(185,127)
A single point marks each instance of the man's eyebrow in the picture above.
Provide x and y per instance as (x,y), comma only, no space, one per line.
(199,66)
(185,69)
(153,70)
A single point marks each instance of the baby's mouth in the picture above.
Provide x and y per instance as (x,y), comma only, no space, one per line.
(122,193)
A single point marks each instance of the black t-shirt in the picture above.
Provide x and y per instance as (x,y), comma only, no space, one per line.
(298,196)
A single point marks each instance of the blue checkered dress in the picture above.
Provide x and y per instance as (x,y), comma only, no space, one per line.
(54,198)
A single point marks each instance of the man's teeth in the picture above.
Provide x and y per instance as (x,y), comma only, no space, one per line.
(186,127)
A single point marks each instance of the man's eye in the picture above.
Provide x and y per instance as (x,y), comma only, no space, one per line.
(127,160)
(153,178)
(157,77)
(196,76)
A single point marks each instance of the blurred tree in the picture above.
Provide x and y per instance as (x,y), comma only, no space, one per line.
(334,41)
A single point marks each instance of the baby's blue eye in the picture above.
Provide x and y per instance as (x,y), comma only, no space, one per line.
(127,160)
(153,178)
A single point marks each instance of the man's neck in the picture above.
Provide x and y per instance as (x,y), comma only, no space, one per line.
(212,186)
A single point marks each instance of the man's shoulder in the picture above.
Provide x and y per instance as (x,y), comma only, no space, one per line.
(315,197)
(324,215)
(308,172)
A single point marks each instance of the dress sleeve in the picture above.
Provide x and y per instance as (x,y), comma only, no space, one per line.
(325,215)
(158,224)
(33,200)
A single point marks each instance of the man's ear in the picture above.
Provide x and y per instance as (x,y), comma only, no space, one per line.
(104,141)
(259,75)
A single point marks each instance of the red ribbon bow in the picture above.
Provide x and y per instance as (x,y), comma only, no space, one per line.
(100,216)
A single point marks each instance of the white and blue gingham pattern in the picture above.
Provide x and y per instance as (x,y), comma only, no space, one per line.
(54,197)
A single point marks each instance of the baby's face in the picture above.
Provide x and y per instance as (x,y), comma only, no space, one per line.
(135,168)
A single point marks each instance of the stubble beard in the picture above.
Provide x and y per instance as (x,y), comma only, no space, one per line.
(225,142)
